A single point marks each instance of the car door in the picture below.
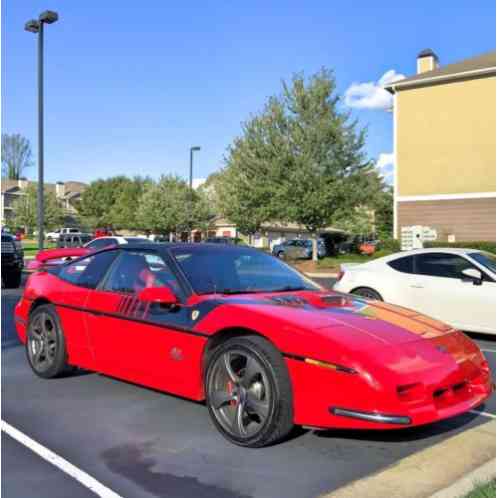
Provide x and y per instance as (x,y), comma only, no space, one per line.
(144,342)
(70,298)
(439,289)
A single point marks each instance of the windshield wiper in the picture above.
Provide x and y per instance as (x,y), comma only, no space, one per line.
(288,288)
(240,291)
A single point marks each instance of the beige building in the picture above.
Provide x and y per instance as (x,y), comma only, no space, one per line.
(68,194)
(444,148)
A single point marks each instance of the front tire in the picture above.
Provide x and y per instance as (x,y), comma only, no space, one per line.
(248,392)
(367,293)
(45,344)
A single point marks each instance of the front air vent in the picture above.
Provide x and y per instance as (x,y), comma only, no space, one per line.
(288,300)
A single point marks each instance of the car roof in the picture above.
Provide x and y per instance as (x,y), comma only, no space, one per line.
(450,250)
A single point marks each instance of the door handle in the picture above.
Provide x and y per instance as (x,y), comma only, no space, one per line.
(417,286)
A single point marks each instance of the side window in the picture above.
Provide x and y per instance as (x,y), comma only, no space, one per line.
(441,265)
(404,265)
(137,270)
(89,271)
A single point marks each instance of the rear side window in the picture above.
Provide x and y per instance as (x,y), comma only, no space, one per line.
(441,265)
(101,243)
(404,265)
(89,271)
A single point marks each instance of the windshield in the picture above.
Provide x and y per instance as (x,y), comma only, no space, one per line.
(237,271)
(485,259)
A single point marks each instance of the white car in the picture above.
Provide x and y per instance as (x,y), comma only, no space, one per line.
(456,286)
(114,240)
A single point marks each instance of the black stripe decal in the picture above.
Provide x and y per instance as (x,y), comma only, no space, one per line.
(132,319)
(176,328)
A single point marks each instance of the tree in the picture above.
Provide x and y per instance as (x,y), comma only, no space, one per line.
(16,155)
(97,201)
(163,206)
(169,206)
(301,160)
(123,213)
(26,214)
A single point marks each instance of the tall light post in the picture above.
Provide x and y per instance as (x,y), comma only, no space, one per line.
(193,149)
(36,26)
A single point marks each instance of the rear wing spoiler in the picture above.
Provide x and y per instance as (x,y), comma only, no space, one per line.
(55,257)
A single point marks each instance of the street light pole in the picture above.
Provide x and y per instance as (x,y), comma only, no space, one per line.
(192,150)
(33,26)
(41,184)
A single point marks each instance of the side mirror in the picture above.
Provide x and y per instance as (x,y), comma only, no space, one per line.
(161,295)
(474,275)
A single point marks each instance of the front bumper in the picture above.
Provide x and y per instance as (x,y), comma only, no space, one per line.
(353,403)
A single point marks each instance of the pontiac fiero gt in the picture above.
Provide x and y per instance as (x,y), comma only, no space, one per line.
(265,347)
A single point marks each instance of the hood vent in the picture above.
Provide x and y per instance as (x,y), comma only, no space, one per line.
(288,300)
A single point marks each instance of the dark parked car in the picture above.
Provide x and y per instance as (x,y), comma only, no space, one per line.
(12,261)
(298,249)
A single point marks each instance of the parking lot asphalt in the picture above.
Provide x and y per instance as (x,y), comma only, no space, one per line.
(143,443)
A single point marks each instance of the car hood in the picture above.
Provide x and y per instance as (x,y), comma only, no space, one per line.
(334,315)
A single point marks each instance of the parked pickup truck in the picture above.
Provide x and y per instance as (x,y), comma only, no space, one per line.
(12,261)
(61,231)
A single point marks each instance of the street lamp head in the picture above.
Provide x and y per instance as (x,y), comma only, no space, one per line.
(32,26)
(49,17)
(196,147)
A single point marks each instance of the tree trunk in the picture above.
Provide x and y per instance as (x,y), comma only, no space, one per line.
(314,238)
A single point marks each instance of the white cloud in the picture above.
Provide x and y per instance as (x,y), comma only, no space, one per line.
(372,95)
(385,165)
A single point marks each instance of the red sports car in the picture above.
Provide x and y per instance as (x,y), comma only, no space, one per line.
(263,345)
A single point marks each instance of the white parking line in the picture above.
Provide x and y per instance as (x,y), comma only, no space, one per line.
(484,414)
(67,467)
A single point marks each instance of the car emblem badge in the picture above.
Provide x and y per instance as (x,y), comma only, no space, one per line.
(195,314)
(176,354)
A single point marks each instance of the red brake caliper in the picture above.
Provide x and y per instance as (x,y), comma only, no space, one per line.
(229,387)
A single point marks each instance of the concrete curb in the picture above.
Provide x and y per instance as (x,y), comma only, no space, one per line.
(451,467)
(467,483)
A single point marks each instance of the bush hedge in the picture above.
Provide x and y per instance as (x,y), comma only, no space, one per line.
(481,245)
(390,245)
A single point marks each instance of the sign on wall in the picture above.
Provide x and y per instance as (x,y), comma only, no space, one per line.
(415,236)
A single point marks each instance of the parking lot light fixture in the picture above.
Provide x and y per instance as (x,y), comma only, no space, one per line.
(33,26)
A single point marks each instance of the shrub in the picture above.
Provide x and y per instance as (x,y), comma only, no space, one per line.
(391,245)
(481,245)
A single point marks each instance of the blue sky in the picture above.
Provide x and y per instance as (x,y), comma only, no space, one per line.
(131,85)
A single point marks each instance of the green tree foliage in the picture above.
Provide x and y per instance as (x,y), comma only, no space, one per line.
(16,155)
(123,212)
(300,160)
(98,200)
(170,206)
(25,209)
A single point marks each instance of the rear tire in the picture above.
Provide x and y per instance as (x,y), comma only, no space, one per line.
(45,344)
(367,293)
(248,392)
